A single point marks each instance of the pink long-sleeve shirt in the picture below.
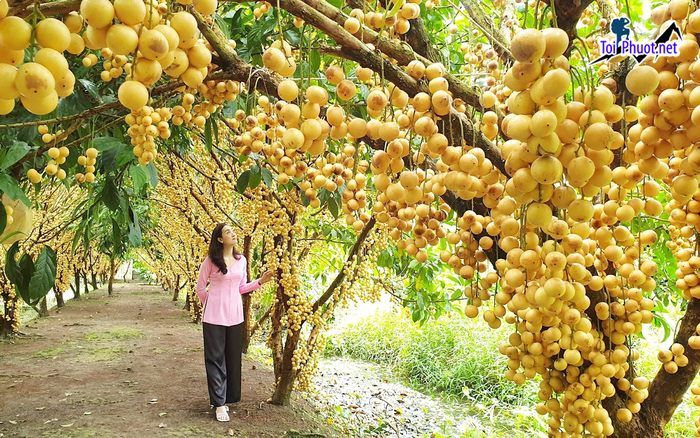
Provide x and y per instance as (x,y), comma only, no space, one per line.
(222,303)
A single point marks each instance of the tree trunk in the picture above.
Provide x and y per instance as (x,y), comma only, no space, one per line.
(111,276)
(59,299)
(8,319)
(666,390)
(94,280)
(246,298)
(285,373)
(187,305)
(43,308)
(85,282)
(76,279)
(176,288)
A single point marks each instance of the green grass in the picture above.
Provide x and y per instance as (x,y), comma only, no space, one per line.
(456,360)
(117,333)
(454,356)
(103,354)
(47,354)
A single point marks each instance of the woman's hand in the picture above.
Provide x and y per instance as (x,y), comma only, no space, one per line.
(267,276)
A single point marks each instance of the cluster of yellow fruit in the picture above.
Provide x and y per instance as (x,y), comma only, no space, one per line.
(88,160)
(46,136)
(278,58)
(38,84)
(145,125)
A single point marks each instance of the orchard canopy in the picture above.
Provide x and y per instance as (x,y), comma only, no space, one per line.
(361,147)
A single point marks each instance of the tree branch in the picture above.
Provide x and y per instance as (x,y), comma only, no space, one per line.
(341,275)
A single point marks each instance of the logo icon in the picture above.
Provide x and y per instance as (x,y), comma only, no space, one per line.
(625,46)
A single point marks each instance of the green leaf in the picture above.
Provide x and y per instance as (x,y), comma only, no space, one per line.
(267,177)
(255,176)
(138,176)
(242,182)
(12,271)
(333,207)
(3,220)
(16,152)
(110,196)
(134,229)
(43,276)
(116,234)
(315,61)
(26,267)
(207,134)
(152,174)
(91,88)
(11,188)
(106,143)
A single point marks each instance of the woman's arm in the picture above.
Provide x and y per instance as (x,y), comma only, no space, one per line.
(204,272)
(245,287)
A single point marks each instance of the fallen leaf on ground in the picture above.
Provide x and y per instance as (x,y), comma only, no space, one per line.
(162,414)
(87,413)
(67,425)
(161,425)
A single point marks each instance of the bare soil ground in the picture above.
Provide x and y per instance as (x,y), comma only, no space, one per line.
(130,365)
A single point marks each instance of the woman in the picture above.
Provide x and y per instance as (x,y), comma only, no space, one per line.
(222,319)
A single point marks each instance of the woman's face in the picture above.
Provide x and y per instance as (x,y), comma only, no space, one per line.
(228,237)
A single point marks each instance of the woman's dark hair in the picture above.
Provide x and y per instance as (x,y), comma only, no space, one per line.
(216,249)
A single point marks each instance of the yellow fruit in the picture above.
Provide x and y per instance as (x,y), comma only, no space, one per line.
(4,8)
(54,61)
(74,22)
(179,65)
(15,33)
(546,170)
(528,45)
(192,77)
(6,106)
(288,90)
(539,214)
(376,100)
(53,34)
(185,25)
(273,59)
(556,82)
(12,57)
(34,176)
(556,42)
(91,153)
(35,81)
(133,95)
(122,39)
(153,44)
(352,25)
(335,74)
(205,7)
(643,79)
(97,13)
(317,95)
(199,56)
(41,106)
(543,123)
(77,44)
(147,71)
(598,136)
(581,210)
(442,102)
(288,68)
(95,38)
(8,74)
(64,86)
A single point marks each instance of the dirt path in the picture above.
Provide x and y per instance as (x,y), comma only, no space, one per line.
(130,365)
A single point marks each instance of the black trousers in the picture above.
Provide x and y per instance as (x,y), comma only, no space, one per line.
(222,359)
